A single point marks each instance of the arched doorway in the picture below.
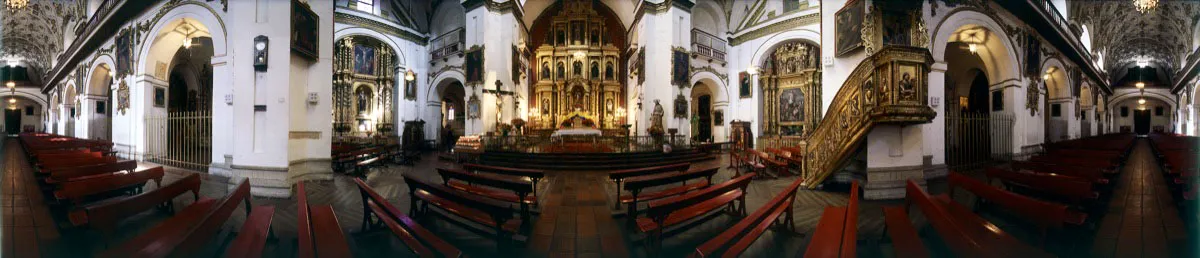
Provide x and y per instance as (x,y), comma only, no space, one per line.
(21,115)
(453,113)
(1059,104)
(69,104)
(100,118)
(702,113)
(977,131)
(179,124)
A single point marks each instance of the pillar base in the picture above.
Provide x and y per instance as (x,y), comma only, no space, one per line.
(888,183)
(310,170)
(264,181)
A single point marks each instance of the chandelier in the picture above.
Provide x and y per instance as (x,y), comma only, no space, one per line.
(15,5)
(1144,6)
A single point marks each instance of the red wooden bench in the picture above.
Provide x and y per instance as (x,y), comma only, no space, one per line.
(636,186)
(492,187)
(952,234)
(104,215)
(668,216)
(735,240)
(836,234)
(419,240)
(78,191)
(749,160)
(66,174)
(187,233)
(476,214)
(320,235)
(780,166)
(1046,216)
(45,167)
(985,233)
(533,175)
(619,176)
(906,243)
(1074,191)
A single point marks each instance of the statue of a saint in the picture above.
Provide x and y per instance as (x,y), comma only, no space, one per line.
(656,118)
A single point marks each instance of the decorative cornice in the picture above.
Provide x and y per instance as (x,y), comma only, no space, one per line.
(708,68)
(380,27)
(776,28)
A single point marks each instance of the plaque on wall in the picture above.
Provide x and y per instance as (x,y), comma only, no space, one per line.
(744,85)
(474,65)
(849,27)
(305,28)
(681,66)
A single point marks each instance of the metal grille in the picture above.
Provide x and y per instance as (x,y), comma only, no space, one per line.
(180,139)
(974,140)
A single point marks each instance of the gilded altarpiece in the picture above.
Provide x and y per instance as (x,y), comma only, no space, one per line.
(363,85)
(578,76)
(791,85)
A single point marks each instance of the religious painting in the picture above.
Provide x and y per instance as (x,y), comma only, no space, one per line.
(305,30)
(744,85)
(124,52)
(718,117)
(896,26)
(641,65)
(791,105)
(100,107)
(473,107)
(681,106)
(474,65)
(849,27)
(122,97)
(29,110)
(160,97)
(907,79)
(364,59)
(1033,56)
(410,89)
(517,67)
(681,66)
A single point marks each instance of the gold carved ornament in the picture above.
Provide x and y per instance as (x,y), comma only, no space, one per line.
(122,97)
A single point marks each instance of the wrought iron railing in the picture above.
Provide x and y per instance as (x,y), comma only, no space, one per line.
(583,143)
(1055,16)
(709,45)
(180,139)
(975,140)
(449,43)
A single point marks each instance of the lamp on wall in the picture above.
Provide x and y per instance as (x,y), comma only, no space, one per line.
(410,76)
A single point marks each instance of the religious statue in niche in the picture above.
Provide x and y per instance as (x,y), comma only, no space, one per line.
(744,85)
(545,74)
(545,106)
(578,96)
(474,65)
(364,59)
(849,27)
(410,89)
(681,67)
(656,117)
(363,98)
(791,105)
(681,106)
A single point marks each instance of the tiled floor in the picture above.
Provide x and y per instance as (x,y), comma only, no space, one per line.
(576,218)
(1141,219)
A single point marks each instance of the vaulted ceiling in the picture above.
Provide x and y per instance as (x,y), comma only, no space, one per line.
(35,34)
(1162,35)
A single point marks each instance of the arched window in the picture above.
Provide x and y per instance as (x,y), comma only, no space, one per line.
(577,68)
(545,71)
(608,71)
(595,70)
(562,71)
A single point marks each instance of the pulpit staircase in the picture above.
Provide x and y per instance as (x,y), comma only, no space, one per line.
(889,87)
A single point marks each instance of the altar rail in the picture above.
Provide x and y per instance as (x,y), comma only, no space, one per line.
(583,143)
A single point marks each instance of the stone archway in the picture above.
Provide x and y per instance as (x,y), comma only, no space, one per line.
(99,101)
(177,114)
(979,68)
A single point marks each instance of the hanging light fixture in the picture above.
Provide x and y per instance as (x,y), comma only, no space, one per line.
(186,29)
(10,85)
(1141,101)
(1144,6)
(1140,85)
(15,5)
(973,48)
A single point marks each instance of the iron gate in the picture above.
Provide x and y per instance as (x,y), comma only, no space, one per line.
(974,140)
(180,139)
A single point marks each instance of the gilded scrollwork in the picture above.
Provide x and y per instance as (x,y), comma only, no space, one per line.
(1031,98)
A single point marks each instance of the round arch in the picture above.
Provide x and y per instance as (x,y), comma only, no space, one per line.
(198,12)
(104,60)
(716,86)
(360,31)
(808,36)
(1116,100)
(961,18)
(440,81)
(1057,83)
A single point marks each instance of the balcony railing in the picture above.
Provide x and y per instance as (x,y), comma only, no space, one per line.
(708,45)
(106,6)
(449,43)
(1061,22)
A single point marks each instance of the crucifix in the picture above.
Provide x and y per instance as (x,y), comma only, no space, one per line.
(500,93)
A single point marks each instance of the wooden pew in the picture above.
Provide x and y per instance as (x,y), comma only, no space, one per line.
(836,234)
(533,175)
(320,235)
(619,176)
(494,217)
(778,165)
(636,185)
(186,234)
(673,212)
(1074,191)
(497,188)
(735,240)
(987,234)
(66,174)
(104,215)
(44,168)
(1044,215)
(78,191)
(419,240)
(940,220)
(906,243)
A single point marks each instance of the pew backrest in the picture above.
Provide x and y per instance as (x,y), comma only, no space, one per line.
(502,183)
(850,229)
(1043,214)
(626,173)
(417,233)
(304,227)
(637,183)
(70,173)
(533,174)
(76,191)
(201,234)
(104,215)
(497,210)
(941,221)
(664,207)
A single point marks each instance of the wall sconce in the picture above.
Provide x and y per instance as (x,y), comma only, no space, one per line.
(1046,77)
(973,48)
(10,85)
(410,76)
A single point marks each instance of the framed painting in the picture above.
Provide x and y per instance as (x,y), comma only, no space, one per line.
(791,105)
(641,65)
(124,52)
(474,65)
(681,106)
(849,27)
(305,28)
(744,85)
(681,66)
(160,97)
(473,107)
(718,117)
(364,59)
(100,107)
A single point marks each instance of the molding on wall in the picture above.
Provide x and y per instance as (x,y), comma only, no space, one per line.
(777,27)
(889,182)
(380,27)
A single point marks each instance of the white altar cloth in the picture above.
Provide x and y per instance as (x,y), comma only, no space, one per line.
(576,131)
